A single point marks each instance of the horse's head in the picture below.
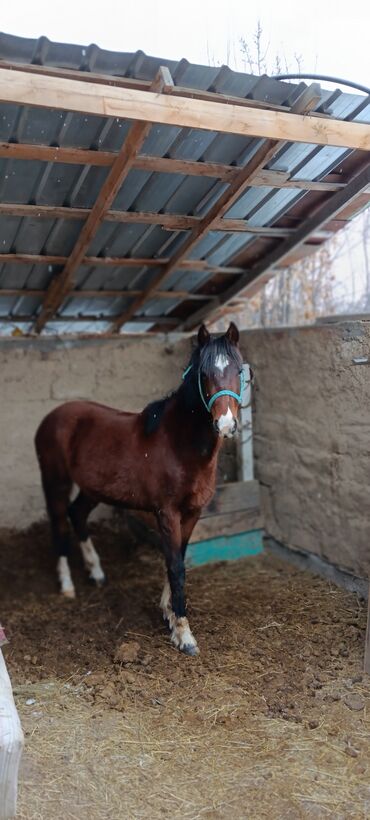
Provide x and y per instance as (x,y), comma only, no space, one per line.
(221,378)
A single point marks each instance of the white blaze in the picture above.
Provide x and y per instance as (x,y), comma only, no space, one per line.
(221,362)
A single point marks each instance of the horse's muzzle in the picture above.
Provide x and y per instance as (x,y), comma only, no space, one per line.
(225,430)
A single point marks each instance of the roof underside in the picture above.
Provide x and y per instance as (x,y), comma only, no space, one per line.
(187,229)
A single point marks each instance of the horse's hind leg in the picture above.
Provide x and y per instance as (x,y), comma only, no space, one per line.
(57,500)
(79,512)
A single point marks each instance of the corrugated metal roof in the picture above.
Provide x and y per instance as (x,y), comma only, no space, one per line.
(78,186)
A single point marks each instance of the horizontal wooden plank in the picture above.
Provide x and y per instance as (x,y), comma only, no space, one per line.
(107,294)
(171,222)
(164,165)
(133,82)
(117,262)
(236,496)
(165,321)
(215,526)
(93,98)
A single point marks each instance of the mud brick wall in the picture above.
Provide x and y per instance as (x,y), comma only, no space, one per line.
(312,438)
(38,375)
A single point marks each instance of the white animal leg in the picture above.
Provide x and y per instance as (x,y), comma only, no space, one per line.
(166,604)
(65,579)
(181,634)
(92,561)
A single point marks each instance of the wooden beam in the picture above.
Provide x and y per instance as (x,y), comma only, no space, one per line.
(113,80)
(20,293)
(163,165)
(135,138)
(170,222)
(261,273)
(146,106)
(117,262)
(166,321)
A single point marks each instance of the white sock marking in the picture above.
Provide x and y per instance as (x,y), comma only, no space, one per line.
(166,605)
(92,560)
(181,634)
(221,362)
(66,584)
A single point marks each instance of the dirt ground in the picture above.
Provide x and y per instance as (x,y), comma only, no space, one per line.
(272,720)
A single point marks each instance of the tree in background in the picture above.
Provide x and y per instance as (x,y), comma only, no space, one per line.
(303,291)
(317,285)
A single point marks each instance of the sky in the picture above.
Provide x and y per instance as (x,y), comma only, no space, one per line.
(331,38)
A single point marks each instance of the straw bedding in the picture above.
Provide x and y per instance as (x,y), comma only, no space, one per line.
(271,721)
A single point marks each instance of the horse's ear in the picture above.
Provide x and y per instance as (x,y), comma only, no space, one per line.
(203,336)
(232,334)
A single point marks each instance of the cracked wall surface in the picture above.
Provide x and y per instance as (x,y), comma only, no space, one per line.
(312,438)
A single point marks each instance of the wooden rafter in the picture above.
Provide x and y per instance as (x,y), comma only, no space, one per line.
(20,293)
(262,155)
(223,203)
(60,285)
(146,106)
(261,273)
(165,165)
(116,262)
(165,321)
(112,80)
(169,222)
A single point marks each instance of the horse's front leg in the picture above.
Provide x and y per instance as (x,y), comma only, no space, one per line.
(175,535)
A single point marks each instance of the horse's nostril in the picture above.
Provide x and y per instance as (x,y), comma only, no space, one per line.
(216,425)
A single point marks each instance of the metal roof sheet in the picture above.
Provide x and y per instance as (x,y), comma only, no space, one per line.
(78,186)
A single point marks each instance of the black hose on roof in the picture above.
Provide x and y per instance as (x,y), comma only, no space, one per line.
(324,78)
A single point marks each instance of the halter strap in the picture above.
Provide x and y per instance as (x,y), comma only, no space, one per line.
(208,405)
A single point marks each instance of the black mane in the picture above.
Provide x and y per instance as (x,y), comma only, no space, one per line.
(152,414)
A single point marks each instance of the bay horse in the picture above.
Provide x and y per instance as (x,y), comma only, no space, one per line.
(162,460)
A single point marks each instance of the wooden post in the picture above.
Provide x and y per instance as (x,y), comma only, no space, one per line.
(245,445)
(11,745)
(367,639)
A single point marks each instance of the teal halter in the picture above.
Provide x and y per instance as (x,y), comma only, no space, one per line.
(208,405)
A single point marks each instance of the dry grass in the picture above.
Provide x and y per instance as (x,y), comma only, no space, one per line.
(271,721)
(83,762)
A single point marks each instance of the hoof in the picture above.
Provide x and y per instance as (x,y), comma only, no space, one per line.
(68,593)
(97,582)
(189,649)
